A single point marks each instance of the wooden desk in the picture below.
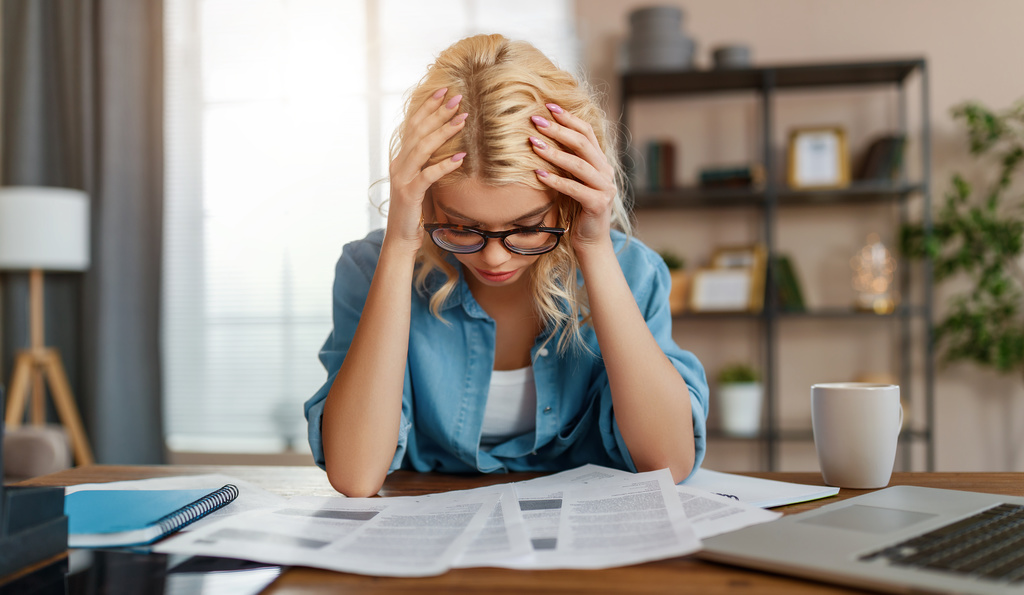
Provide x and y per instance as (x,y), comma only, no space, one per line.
(676,575)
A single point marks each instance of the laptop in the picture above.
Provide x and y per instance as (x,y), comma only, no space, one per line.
(900,539)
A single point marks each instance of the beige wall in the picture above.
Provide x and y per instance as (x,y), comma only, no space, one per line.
(972,48)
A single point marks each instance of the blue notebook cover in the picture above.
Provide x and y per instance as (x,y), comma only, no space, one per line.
(100,518)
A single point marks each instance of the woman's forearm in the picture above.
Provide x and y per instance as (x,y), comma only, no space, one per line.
(363,409)
(650,398)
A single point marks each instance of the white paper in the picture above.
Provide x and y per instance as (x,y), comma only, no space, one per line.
(407,536)
(503,537)
(765,493)
(601,522)
(818,158)
(584,475)
(250,497)
(588,517)
(712,514)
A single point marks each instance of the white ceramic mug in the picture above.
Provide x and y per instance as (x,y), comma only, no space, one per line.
(856,427)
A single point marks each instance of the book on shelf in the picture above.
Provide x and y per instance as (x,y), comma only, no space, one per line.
(661,165)
(883,159)
(733,176)
(118,518)
(789,297)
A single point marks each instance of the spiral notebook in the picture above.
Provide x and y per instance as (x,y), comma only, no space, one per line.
(118,518)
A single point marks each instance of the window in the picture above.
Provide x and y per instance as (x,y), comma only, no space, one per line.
(278,117)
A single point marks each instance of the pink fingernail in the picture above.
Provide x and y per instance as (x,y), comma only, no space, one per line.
(541,173)
(554,108)
(539,121)
(440,93)
(458,156)
(453,101)
(459,119)
(538,143)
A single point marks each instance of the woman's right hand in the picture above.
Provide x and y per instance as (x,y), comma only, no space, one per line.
(425,131)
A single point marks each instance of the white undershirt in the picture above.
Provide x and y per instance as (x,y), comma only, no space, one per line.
(511,406)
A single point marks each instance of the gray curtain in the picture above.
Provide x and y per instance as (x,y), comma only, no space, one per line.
(82,108)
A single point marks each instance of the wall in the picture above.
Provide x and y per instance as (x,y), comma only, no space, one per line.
(970,46)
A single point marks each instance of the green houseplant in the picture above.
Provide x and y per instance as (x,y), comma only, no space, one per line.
(680,280)
(737,373)
(977,235)
(740,396)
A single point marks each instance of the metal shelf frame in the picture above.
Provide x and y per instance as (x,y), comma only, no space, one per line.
(766,82)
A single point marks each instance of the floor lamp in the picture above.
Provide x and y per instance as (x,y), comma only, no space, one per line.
(44,229)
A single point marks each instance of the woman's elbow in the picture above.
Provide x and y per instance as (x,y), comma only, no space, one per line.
(680,467)
(355,484)
(681,472)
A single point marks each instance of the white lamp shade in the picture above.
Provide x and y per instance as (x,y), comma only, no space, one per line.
(44,228)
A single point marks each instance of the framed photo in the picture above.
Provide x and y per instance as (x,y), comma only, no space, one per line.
(818,158)
(721,290)
(733,283)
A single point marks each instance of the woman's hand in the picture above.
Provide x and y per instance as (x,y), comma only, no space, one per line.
(426,130)
(594,186)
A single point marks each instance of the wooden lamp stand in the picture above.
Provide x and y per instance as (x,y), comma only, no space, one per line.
(34,368)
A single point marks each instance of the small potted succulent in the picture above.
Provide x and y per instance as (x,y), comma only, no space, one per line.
(739,400)
(680,281)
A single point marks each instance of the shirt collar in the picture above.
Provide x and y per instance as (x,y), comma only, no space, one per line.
(461,295)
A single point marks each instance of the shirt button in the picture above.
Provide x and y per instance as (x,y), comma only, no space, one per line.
(543,352)
(534,453)
(547,410)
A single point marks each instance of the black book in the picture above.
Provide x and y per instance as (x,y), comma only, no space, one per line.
(883,159)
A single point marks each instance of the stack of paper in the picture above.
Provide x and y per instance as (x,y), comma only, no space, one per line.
(590,517)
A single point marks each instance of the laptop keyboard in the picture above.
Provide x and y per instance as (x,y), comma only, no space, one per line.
(989,544)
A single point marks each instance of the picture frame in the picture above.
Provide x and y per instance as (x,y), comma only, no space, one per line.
(733,283)
(818,158)
(720,290)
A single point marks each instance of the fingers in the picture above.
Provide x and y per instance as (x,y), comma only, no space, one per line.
(435,172)
(426,130)
(573,133)
(573,122)
(420,152)
(587,196)
(584,159)
(578,167)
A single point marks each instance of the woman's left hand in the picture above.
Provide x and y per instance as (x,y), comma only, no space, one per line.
(594,184)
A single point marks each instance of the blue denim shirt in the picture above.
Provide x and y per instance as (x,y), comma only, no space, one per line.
(448,372)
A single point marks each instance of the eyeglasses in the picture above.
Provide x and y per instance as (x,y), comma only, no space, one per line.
(527,241)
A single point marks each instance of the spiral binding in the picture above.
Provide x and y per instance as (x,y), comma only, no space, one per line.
(198,509)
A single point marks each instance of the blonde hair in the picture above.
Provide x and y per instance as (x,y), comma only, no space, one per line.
(503,83)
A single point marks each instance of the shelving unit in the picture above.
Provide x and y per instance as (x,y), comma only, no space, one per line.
(766,82)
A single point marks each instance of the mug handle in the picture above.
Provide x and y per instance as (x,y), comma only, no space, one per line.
(899,426)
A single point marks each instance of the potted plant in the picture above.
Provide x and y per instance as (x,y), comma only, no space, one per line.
(739,399)
(978,235)
(680,281)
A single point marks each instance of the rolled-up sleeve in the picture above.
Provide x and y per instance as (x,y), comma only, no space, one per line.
(650,282)
(352,276)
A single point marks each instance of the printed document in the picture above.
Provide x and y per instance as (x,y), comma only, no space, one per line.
(766,493)
(596,518)
(712,514)
(406,536)
(589,517)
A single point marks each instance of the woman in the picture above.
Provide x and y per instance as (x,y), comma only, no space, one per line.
(504,321)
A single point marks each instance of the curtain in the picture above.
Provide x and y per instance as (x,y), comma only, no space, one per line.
(82,108)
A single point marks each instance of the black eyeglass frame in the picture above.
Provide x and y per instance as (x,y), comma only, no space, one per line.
(558,232)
